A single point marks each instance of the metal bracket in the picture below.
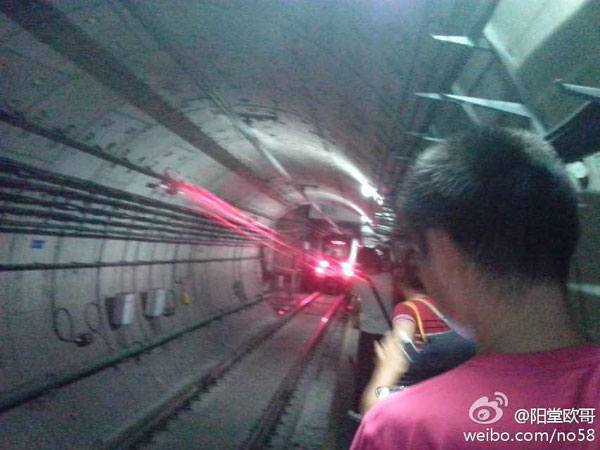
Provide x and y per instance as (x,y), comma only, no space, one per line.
(465,41)
(430,96)
(590,93)
(423,136)
(498,105)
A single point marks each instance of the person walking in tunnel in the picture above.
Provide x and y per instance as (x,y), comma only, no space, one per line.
(417,320)
(373,320)
(493,217)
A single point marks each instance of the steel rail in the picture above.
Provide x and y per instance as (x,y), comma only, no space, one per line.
(264,427)
(180,400)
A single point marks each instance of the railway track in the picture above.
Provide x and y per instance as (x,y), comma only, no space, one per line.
(317,408)
(243,404)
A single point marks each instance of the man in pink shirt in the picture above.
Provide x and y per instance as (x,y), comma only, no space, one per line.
(493,218)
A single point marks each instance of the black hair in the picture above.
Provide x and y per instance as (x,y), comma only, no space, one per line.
(503,197)
(369,260)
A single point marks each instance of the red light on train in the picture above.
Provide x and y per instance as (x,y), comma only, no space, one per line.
(338,242)
(319,270)
(324,263)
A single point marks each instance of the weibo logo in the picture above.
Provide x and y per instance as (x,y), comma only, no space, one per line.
(486,411)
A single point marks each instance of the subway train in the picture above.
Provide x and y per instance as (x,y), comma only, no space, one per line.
(335,263)
(168,168)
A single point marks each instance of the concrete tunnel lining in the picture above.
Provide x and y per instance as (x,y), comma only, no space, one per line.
(121,94)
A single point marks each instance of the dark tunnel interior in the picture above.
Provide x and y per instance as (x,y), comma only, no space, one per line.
(184,187)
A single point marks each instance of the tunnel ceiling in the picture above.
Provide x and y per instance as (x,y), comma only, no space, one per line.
(207,92)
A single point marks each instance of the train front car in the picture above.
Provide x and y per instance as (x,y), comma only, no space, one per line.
(335,263)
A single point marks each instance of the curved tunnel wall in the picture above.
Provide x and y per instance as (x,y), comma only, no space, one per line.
(318,93)
(96,408)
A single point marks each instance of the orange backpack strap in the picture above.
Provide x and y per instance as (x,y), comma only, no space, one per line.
(436,311)
(415,310)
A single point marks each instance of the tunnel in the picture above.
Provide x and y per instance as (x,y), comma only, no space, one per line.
(171,172)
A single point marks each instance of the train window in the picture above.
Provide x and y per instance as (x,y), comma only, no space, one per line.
(336,248)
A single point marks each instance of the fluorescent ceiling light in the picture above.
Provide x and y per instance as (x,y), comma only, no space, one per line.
(368,190)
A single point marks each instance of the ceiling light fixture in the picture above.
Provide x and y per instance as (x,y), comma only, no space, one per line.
(368,190)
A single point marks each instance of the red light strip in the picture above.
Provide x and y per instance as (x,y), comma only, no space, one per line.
(221,211)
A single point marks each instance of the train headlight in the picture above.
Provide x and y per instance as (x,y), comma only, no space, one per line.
(347,269)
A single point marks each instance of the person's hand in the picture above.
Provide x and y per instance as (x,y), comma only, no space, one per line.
(390,361)
(390,365)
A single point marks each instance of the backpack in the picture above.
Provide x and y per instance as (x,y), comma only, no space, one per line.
(439,353)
